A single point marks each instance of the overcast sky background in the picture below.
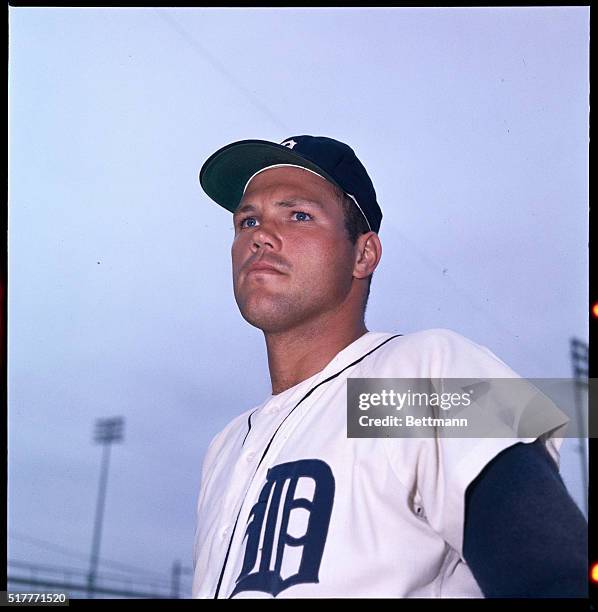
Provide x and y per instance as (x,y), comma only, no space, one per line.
(473,124)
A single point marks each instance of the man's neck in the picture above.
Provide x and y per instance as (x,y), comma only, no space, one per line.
(298,354)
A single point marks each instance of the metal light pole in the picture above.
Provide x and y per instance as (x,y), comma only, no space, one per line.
(175,580)
(579,360)
(107,431)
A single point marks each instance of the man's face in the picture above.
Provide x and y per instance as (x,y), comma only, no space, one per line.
(290,219)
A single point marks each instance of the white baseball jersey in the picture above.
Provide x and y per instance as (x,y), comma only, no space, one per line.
(291,507)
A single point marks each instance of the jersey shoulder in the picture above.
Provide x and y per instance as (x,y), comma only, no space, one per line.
(441,352)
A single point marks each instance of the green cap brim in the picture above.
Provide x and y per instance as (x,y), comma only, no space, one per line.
(225,173)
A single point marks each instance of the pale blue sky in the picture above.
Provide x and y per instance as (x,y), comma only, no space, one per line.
(473,124)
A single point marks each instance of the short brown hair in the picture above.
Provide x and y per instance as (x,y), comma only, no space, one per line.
(356,225)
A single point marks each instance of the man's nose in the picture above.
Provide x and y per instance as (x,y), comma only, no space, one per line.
(264,236)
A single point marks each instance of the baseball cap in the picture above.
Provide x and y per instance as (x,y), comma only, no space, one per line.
(225,174)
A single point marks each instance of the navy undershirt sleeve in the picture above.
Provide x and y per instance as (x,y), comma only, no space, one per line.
(524,536)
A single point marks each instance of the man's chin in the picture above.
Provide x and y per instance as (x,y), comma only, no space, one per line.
(268,324)
(269,315)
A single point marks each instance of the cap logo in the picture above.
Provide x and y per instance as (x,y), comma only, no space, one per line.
(288,143)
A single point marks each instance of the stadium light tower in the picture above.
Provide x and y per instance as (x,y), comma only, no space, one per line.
(106,432)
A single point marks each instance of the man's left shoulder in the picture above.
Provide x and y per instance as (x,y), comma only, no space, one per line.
(434,340)
(440,338)
(444,352)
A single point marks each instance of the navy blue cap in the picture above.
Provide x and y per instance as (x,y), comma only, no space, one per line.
(225,174)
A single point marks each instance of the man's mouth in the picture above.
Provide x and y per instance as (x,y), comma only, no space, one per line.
(263,267)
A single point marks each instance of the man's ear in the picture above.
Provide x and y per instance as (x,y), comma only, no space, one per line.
(368,253)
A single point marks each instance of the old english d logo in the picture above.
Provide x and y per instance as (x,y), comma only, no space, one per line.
(268,537)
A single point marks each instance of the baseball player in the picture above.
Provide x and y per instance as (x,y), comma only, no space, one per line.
(289,505)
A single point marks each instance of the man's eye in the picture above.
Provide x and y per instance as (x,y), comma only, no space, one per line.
(248,222)
(301,216)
